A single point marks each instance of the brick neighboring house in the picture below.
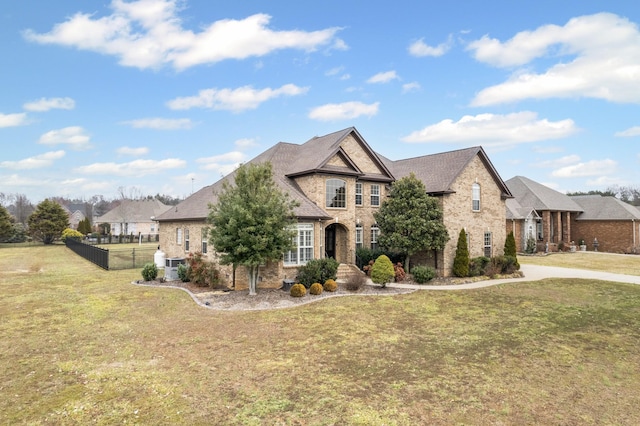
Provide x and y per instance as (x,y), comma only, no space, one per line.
(555,219)
(340,182)
(134,217)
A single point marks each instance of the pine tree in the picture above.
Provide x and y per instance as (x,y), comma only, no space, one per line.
(461,261)
(510,248)
(48,221)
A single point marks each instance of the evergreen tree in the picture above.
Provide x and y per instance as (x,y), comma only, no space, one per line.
(6,225)
(461,261)
(510,248)
(48,221)
(410,220)
(84,226)
(251,220)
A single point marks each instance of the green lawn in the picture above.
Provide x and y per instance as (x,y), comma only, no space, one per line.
(81,345)
(618,264)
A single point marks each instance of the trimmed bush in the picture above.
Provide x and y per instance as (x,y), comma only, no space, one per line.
(315,289)
(183,272)
(478,266)
(317,271)
(398,269)
(202,272)
(356,282)
(366,256)
(330,285)
(504,264)
(71,233)
(298,290)
(423,274)
(382,271)
(461,261)
(150,272)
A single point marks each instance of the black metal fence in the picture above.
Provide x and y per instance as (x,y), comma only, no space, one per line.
(111,259)
(94,254)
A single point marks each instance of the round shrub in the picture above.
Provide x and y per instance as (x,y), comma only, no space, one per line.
(315,289)
(330,285)
(149,272)
(298,290)
(183,272)
(71,233)
(382,271)
(423,274)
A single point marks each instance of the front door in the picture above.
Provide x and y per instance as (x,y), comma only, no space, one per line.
(330,241)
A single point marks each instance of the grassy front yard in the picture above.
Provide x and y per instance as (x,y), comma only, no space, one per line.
(607,262)
(80,345)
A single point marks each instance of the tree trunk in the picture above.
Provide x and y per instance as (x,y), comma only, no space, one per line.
(407,261)
(253,279)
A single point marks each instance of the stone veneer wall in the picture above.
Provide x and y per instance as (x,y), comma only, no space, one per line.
(458,214)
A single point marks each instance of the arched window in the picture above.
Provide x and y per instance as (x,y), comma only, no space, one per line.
(336,193)
(475,197)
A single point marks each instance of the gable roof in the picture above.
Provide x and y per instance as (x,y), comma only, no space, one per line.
(135,211)
(597,207)
(533,195)
(439,171)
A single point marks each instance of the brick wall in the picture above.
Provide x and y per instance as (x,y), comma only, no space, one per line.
(614,236)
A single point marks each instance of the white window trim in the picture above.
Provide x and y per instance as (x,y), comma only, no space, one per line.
(301,254)
(329,199)
(375,195)
(358,193)
(475,197)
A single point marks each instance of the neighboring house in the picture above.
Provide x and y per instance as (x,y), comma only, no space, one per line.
(555,219)
(340,182)
(134,217)
(614,224)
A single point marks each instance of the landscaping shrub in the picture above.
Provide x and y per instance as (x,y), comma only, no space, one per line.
(382,271)
(150,272)
(317,271)
(510,249)
(183,272)
(355,282)
(505,264)
(423,274)
(478,266)
(330,285)
(202,272)
(366,256)
(298,290)
(461,261)
(315,289)
(398,270)
(531,246)
(71,233)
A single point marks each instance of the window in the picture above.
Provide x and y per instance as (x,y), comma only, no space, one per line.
(336,194)
(375,232)
(358,194)
(487,244)
(539,229)
(475,197)
(358,236)
(186,239)
(179,236)
(303,246)
(375,195)
(205,237)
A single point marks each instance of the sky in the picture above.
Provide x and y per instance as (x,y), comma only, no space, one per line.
(167,96)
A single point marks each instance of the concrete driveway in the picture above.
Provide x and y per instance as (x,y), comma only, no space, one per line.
(532,273)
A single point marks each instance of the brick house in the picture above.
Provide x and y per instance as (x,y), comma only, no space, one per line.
(340,182)
(134,217)
(555,219)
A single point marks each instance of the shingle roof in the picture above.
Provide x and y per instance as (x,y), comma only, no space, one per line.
(597,207)
(437,171)
(533,195)
(136,211)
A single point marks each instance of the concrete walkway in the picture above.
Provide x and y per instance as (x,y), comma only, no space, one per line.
(532,273)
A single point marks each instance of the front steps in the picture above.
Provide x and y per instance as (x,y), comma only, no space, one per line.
(346,270)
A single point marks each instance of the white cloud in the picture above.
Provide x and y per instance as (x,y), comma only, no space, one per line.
(559,162)
(383,77)
(343,111)
(160,123)
(13,120)
(236,100)
(136,168)
(338,71)
(589,168)
(246,143)
(150,34)
(74,136)
(598,56)
(630,132)
(419,48)
(230,160)
(35,162)
(494,129)
(134,152)
(411,87)
(45,104)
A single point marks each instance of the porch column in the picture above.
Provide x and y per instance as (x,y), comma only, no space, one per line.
(567,227)
(558,227)
(546,225)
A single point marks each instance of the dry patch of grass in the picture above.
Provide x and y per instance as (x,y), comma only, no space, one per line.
(607,262)
(80,345)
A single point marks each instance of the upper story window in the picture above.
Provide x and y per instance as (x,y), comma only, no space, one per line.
(336,193)
(179,236)
(475,197)
(375,195)
(358,194)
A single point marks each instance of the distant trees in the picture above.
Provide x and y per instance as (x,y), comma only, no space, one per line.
(48,221)
(6,224)
(84,226)
(628,194)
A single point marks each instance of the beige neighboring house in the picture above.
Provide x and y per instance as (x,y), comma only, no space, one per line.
(134,217)
(340,182)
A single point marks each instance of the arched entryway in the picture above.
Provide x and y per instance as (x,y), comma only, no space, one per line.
(335,242)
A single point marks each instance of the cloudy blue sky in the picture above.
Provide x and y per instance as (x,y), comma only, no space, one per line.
(165,96)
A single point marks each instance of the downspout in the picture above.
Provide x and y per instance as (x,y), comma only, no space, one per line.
(633,224)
